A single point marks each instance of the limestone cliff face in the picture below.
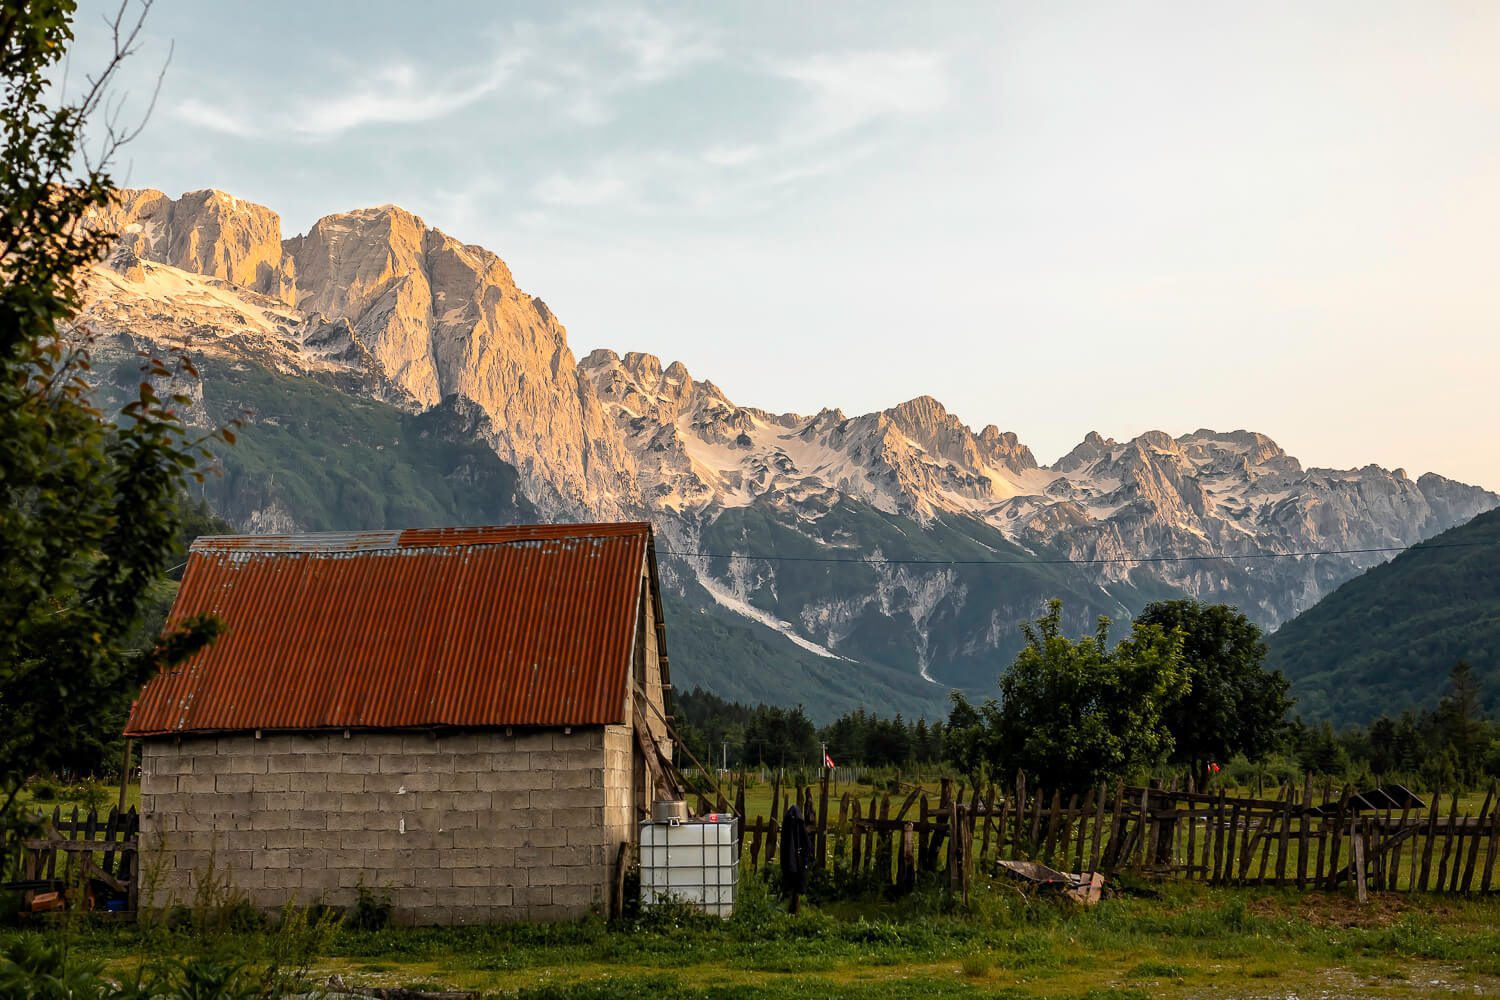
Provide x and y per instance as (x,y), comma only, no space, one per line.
(444,319)
(205,232)
(438,318)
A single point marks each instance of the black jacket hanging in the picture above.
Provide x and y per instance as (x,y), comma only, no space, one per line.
(796,851)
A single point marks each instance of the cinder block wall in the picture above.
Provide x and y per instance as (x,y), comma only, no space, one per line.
(455,828)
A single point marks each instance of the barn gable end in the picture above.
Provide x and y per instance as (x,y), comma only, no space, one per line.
(468,721)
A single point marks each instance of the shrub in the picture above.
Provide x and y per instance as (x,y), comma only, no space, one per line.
(372,910)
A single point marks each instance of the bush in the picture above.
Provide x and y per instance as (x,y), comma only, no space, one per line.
(372,910)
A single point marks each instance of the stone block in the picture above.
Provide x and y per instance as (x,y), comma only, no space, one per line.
(279,801)
(578,899)
(400,763)
(471,876)
(319,880)
(306,819)
(592,816)
(196,784)
(158,784)
(384,784)
(286,763)
(322,801)
(549,836)
(170,764)
(453,820)
(422,781)
(247,763)
(228,783)
(495,858)
(470,802)
(565,798)
(537,739)
(323,839)
(358,839)
(305,781)
(460,781)
(548,874)
(359,762)
(270,819)
(578,777)
(433,878)
(339,782)
(533,896)
(459,857)
(273,782)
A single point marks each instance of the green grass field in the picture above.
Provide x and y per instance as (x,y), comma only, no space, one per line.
(1162,940)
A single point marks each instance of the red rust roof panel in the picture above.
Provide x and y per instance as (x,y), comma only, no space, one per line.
(527,626)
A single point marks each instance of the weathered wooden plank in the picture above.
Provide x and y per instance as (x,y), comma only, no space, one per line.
(1284,841)
(1083,822)
(1489,857)
(1442,875)
(1052,820)
(1468,879)
(1357,855)
(1192,834)
(1432,817)
(1098,828)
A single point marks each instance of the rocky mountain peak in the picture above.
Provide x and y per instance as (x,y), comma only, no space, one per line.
(205,232)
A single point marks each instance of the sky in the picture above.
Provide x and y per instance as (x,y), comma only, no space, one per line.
(1053,217)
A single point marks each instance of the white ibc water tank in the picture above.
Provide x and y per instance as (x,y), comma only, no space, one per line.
(695,862)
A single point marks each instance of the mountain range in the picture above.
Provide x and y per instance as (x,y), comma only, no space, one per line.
(388,374)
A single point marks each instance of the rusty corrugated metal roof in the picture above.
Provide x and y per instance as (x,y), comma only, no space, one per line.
(527,626)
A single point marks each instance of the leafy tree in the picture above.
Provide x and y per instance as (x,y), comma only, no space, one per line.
(781,737)
(88,503)
(1074,713)
(1232,705)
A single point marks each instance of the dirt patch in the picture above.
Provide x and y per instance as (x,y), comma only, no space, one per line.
(1320,909)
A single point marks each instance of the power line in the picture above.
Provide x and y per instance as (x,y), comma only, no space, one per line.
(1227,556)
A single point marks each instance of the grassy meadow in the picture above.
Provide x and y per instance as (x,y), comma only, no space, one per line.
(1168,940)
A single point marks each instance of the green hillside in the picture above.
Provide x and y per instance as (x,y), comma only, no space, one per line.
(1385,641)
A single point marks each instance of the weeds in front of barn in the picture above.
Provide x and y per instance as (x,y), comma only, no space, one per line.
(1150,940)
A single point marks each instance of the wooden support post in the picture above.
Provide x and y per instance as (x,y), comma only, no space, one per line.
(1052,827)
(1474,839)
(822,845)
(1357,839)
(1098,827)
(1432,817)
(1284,842)
(1036,824)
(1302,832)
(1442,875)
(984,837)
(1489,857)
(1083,823)
(1340,819)
(1020,807)
(906,878)
(617,905)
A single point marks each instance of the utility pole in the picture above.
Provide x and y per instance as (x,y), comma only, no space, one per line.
(724,755)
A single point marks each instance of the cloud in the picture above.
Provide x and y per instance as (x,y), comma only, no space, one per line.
(396,94)
(579,66)
(562,190)
(851,89)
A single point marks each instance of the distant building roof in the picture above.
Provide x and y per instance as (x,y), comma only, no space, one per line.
(527,626)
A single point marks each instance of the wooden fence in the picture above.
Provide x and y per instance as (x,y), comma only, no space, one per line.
(1300,838)
(99,856)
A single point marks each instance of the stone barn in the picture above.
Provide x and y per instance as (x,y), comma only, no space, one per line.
(471,721)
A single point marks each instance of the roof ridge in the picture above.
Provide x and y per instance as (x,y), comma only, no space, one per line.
(416,538)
